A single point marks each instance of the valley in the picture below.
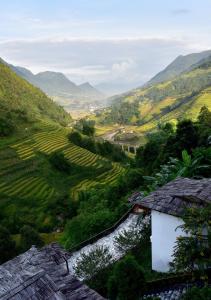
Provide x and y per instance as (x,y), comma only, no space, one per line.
(78,173)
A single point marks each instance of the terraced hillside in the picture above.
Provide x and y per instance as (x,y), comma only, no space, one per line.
(29,184)
(181,97)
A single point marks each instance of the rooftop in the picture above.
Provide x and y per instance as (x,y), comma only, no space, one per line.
(42,274)
(177,195)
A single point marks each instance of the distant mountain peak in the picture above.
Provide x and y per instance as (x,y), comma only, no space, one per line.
(181,64)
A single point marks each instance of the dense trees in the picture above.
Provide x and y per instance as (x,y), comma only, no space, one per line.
(7,245)
(105,148)
(6,127)
(99,208)
(58,160)
(127,281)
(197,293)
(190,136)
(29,237)
(90,264)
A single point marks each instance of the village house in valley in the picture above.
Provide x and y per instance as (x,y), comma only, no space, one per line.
(167,206)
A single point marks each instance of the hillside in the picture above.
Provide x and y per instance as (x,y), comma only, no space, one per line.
(180,97)
(33,190)
(23,104)
(178,66)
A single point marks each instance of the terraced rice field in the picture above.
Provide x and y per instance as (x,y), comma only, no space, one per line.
(19,170)
(109,177)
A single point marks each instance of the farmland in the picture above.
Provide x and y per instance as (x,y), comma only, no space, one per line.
(30,184)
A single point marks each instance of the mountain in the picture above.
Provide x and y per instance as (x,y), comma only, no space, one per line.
(22,103)
(60,88)
(181,97)
(89,91)
(178,66)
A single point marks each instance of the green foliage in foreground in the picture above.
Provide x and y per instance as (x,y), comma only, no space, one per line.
(194,249)
(29,237)
(7,245)
(198,294)
(90,264)
(127,281)
(100,208)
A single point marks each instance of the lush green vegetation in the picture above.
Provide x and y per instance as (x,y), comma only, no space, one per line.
(167,143)
(100,208)
(103,148)
(198,293)
(194,250)
(184,151)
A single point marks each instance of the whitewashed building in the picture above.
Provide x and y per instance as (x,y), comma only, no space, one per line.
(167,206)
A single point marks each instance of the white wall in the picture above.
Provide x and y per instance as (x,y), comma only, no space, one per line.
(164,234)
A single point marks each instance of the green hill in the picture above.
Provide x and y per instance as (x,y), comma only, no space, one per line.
(22,104)
(32,190)
(178,98)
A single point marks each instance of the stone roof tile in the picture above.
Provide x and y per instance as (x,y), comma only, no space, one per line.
(39,275)
(179,194)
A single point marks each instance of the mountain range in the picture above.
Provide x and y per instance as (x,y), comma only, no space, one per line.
(61,89)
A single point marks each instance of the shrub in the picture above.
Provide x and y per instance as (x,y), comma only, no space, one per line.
(29,237)
(60,162)
(198,294)
(127,281)
(6,127)
(7,245)
(91,263)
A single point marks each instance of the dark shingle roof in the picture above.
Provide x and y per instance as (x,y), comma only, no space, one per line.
(41,274)
(177,195)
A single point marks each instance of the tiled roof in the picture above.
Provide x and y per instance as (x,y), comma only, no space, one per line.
(42,274)
(177,195)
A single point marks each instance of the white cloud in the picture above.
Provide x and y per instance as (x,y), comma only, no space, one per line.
(119,61)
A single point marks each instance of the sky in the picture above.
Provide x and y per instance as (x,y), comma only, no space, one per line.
(114,44)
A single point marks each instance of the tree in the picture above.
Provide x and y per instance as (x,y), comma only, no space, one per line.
(89,264)
(193,250)
(75,138)
(186,136)
(88,129)
(204,126)
(127,281)
(7,245)
(196,293)
(204,116)
(29,237)
(60,162)
(6,127)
